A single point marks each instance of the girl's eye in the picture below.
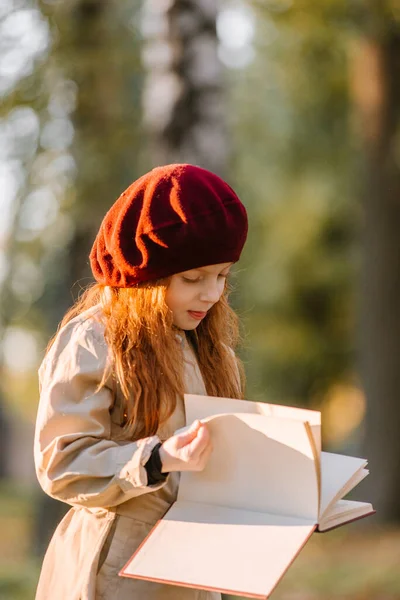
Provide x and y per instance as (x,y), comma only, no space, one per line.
(188,280)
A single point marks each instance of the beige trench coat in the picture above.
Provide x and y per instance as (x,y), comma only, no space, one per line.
(78,461)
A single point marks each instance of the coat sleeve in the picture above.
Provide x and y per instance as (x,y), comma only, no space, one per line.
(75,458)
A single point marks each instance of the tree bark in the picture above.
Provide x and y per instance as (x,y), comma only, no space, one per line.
(376,86)
(99,53)
(183,96)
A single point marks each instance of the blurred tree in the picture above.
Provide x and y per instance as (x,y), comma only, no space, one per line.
(21,67)
(94,73)
(97,54)
(293,160)
(183,98)
(376,93)
(302,168)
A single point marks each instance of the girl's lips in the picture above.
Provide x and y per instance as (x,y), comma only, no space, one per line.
(197,314)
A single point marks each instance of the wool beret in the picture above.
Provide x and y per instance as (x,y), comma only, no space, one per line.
(175,218)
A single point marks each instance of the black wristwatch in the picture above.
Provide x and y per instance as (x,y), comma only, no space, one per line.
(153,467)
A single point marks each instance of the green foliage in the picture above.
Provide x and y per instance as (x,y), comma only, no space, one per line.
(83,94)
(293,165)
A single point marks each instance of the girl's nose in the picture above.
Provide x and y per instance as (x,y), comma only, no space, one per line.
(211,293)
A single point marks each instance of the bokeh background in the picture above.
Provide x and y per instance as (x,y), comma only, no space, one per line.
(296,103)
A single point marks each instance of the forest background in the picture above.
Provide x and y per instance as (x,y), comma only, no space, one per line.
(296,103)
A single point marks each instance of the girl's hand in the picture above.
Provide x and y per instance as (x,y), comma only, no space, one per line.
(188,451)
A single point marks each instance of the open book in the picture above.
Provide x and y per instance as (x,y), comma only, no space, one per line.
(237,525)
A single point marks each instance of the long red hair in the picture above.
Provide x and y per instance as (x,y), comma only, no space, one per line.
(146,357)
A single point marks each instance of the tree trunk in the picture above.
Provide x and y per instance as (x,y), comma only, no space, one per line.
(4,440)
(376,87)
(183,97)
(99,52)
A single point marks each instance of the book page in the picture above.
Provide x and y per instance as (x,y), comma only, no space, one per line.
(199,407)
(339,474)
(345,511)
(258,463)
(222,549)
(313,417)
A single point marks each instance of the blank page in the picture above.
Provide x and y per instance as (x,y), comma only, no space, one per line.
(200,407)
(258,463)
(222,549)
(345,511)
(336,471)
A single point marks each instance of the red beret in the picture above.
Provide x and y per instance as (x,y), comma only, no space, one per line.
(174,218)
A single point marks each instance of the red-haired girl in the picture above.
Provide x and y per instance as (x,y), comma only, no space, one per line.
(156,324)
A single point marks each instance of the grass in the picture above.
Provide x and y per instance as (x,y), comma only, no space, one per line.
(347,564)
(18,569)
(350,563)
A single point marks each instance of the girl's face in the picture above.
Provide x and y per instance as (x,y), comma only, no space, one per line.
(191,294)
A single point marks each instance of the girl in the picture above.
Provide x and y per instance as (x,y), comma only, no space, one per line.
(155,325)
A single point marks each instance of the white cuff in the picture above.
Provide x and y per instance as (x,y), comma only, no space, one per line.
(130,466)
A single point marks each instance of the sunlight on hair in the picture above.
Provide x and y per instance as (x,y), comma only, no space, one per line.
(146,361)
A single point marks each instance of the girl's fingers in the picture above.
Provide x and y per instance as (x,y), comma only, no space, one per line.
(189,435)
(195,425)
(199,443)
